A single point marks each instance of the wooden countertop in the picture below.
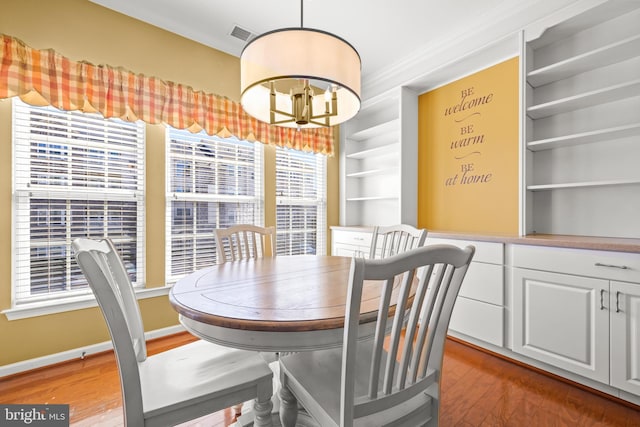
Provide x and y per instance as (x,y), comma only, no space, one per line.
(555,240)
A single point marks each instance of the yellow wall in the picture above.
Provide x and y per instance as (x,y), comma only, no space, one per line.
(81,30)
(468,153)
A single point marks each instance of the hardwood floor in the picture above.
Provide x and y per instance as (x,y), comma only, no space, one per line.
(478,389)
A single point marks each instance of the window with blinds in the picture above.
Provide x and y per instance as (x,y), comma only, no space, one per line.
(212,183)
(75,175)
(301,202)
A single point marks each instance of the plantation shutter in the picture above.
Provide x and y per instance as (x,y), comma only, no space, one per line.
(212,183)
(300,203)
(75,175)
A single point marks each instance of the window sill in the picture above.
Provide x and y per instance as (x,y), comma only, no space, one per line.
(86,301)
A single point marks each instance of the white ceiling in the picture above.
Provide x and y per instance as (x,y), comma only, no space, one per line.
(384,32)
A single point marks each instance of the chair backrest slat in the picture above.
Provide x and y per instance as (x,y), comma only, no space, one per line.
(243,241)
(411,327)
(394,239)
(396,329)
(380,337)
(417,290)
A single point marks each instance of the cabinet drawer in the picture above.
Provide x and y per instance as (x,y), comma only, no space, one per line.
(340,249)
(489,252)
(621,266)
(478,320)
(484,282)
(356,238)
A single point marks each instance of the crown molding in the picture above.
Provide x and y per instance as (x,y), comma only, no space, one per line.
(485,44)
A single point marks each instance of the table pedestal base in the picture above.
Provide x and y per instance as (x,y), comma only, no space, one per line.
(246,419)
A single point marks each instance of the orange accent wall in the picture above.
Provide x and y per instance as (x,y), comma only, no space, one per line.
(468,153)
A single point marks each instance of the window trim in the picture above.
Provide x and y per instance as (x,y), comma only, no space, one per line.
(61,305)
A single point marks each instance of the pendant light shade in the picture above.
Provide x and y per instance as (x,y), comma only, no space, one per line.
(300,78)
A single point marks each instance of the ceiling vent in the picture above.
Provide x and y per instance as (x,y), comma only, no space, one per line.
(241,33)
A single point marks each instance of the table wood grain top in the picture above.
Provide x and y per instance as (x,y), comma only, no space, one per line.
(282,293)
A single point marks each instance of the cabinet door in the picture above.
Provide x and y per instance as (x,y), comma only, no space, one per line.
(562,320)
(625,336)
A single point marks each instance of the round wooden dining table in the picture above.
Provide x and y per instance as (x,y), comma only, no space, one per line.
(273,304)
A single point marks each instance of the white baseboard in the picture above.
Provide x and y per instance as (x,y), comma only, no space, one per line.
(77,353)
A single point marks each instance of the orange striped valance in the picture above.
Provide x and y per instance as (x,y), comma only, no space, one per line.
(44,77)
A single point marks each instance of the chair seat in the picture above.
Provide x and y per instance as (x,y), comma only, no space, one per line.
(189,377)
(318,374)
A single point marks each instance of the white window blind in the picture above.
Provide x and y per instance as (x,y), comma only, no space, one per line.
(212,183)
(301,201)
(75,175)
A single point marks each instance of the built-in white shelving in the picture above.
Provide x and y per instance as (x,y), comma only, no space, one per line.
(582,124)
(378,164)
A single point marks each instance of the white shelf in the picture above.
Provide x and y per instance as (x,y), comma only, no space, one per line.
(364,199)
(587,99)
(585,137)
(371,172)
(377,130)
(569,185)
(377,151)
(606,55)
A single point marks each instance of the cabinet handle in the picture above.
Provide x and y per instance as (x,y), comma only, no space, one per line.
(618,302)
(601,299)
(622,267)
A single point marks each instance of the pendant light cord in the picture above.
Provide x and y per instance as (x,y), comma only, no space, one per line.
(301,13)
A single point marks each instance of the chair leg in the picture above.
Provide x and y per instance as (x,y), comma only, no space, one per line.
(262,410)
(288,407)
(237,410)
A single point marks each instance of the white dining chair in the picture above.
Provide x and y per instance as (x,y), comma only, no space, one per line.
(177,385)
(394,378)
(244,241)
(240,242)
(394,239)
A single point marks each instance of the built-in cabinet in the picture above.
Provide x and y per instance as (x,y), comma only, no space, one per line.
(378,161)
(479,309)
(578,310)
(582,124)
(571,310)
